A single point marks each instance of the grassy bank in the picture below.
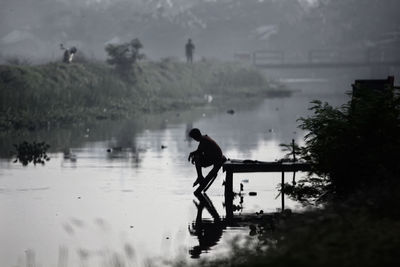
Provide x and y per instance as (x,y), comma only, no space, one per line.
(55,94)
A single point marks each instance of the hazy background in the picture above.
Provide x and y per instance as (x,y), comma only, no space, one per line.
(35,28)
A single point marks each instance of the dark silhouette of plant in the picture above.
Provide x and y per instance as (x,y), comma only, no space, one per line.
(31,152)
(124,56)
(352,148)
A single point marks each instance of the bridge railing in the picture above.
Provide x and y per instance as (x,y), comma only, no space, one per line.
(270,56)
(322,57)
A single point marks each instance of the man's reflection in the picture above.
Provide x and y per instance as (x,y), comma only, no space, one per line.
(208,232)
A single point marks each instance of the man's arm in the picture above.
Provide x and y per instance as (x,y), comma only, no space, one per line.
(193,153)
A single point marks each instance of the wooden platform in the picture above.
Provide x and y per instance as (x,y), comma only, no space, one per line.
(243,166)
(264,166)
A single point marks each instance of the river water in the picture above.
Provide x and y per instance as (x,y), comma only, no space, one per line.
(120,193)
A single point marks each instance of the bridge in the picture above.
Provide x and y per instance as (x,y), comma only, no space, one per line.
(317,59)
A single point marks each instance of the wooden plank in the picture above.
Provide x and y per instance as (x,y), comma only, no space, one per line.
(259,166)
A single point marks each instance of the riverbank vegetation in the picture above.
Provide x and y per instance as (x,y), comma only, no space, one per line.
(56,94)
(353,216)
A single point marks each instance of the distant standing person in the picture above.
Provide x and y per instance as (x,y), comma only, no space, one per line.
(208,153)
(189,48)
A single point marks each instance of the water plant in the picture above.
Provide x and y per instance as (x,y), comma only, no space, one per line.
(31,152)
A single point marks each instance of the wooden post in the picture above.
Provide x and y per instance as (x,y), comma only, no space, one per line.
(229,183)
(229,194)
(294,160)
(282,193)
(294,150)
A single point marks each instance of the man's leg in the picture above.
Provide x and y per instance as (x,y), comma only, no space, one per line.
(209,179)
(198,163)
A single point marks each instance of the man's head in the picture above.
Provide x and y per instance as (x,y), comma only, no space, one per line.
(195,134)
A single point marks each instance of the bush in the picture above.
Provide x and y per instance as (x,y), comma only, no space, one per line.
(31,152)
(352,148)
(124,56)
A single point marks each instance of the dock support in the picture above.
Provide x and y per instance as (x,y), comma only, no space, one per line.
(282,192)
(229,183)
(229,194)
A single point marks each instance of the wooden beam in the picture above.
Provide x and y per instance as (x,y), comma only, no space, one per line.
(258,166)
(282,193)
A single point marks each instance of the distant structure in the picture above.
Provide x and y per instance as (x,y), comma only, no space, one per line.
(189,49)
(68,53)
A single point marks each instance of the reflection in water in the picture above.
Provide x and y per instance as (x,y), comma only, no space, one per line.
(116,196)
(208,232)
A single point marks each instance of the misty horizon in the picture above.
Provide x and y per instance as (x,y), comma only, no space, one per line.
(219,29)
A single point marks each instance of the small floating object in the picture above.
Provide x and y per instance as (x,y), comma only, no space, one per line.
(163,146)
(253,194)
(271,130)
(245,180)
(260,212)
(208,98)
(114,149)
(230,111)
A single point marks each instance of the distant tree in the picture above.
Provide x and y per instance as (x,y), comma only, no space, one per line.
(124,56)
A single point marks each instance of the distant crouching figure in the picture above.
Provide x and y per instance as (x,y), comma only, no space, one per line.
(68,53)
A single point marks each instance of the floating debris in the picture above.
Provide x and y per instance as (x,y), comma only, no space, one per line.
(230,111)
(163,146)
(253,194)
(208,98)
(260,212)
(245,180)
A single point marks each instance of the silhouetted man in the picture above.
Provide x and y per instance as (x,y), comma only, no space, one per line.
(189,48)
(208,153)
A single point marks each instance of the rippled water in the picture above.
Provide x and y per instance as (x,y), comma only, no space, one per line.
(91,207)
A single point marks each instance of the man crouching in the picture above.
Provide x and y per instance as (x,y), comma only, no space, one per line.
(208,153)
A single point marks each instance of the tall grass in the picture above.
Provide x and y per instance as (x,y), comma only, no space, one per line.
(56,93)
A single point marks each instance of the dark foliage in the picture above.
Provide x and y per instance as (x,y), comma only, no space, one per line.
(124,56)
(31,152)
(353,148)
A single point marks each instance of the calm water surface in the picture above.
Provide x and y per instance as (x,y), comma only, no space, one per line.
(90,207)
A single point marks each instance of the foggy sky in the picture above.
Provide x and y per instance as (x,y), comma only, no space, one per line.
(35,28)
